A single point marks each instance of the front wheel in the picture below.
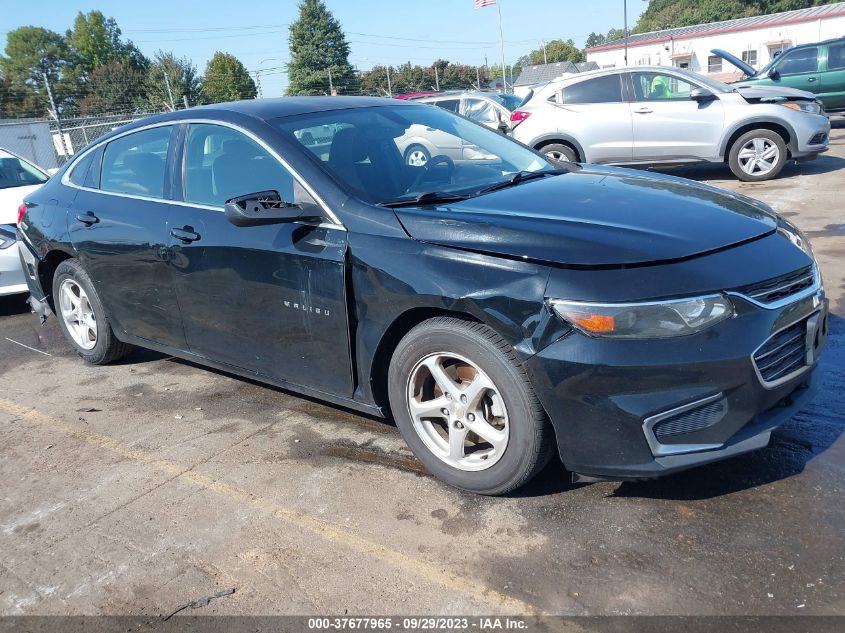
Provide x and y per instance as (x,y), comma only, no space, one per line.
(758,155)
(82,317)
(417,156)
(464,405)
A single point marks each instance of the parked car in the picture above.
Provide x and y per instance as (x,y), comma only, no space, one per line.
(503,311)
(818,68)
(492,109)
(18,178)
(647,115)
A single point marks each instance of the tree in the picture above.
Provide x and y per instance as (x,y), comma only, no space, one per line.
(96,41)
(114,87)
(597,39)
(664,14)
(180,74)
(32,53)
(319,53)
(226,79)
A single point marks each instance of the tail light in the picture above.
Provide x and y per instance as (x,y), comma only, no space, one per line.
(21,212)
(518,116)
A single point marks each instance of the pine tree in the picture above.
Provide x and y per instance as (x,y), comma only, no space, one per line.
(226,79)
(319,53)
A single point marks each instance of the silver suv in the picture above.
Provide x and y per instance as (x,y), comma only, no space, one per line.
(650,115)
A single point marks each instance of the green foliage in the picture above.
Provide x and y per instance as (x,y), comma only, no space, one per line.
(226,79)
(182,76)
(410,78)
(319,53)
(112,88)
(555,51)
(664,14)
(96,41)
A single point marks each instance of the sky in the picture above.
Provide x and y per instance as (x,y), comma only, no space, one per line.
(378,31)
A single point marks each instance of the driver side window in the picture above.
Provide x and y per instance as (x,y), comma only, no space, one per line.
(222,163)
(658,87)
(805,60)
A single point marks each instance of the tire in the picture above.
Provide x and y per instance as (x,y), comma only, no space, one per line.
(87,328)
(417,156)
(558,152)
(756,145)
(508,409)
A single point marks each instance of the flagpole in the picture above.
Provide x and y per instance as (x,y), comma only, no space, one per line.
(502,44)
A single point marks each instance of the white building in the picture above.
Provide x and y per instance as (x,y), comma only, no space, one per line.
(755,40)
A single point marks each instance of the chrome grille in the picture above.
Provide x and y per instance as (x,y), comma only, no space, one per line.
(691,421)
(779,288)
(784,353)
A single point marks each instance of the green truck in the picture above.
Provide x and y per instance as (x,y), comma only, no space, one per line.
(818,68)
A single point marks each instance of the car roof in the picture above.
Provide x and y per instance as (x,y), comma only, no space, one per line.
(832,40)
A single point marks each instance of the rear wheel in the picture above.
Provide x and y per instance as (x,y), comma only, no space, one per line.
(82,317)
(560,153)
(758,155)
(464,405)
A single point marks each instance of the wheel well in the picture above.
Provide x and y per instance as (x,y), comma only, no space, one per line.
(46,270)
(774,127)
(394,333)
(539,146)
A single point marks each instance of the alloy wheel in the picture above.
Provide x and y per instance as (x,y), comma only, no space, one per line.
(417,158)
(77,314)
(758,157)
(457,411)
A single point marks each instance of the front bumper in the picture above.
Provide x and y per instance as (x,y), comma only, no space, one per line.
(605,396)
(812,136)
(12,280)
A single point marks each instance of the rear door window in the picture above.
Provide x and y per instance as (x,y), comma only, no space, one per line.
(135,163)
(480,111)
(607,89)
(660,87)
(451,105)
(836,56)
(797,62)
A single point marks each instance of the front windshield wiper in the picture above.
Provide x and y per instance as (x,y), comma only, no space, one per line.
(430,197)
(521,176)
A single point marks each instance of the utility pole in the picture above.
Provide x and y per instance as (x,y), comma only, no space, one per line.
(477,78)
(389,89)
(436,79)
(331,84)
(625,11)
(502,44)
(258,83)
(55,113)
(545,58)
(185,101)
(169,92)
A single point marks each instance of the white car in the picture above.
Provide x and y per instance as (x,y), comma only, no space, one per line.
(18,178)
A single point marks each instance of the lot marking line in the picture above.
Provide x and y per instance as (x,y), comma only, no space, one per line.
(26,346)
(329,531)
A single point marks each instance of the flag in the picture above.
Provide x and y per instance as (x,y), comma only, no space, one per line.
(480,4)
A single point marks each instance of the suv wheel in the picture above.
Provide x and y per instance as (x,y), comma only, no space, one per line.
(560,153)
(464,405)
(416,156)
(81,316)
(758,155)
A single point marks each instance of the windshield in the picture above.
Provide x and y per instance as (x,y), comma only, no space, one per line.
(394,152)
(713,84)
(511,102)
(15,172)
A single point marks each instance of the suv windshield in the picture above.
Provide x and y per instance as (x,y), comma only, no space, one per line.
(400,152)
(15,172)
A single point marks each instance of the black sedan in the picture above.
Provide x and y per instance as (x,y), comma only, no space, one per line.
(498,306)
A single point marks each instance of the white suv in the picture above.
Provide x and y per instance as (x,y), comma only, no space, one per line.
(646,115)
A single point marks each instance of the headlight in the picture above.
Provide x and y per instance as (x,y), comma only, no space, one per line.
(7,237)
(659,319)
(813,107)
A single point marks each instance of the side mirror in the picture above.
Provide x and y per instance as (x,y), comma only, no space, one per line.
(263,207)
(701,95)
(773,74)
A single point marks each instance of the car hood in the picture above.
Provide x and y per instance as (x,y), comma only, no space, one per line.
(595,217)
(754,93)
(10,199)
(731,59)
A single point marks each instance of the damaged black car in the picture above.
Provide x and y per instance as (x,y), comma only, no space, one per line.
(500,308)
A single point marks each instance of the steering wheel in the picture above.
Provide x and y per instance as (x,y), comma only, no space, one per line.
(432,162)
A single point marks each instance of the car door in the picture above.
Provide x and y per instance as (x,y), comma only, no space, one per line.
(595,114)
(268,299)
(482,111)
(832,92)
(797,68)
(668,124)
(118,226)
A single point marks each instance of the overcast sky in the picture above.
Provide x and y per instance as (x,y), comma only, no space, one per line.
(379,31)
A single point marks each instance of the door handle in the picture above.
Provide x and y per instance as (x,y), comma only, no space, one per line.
(185,234)
(88,218)
(644,111)
(812,79)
